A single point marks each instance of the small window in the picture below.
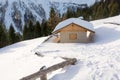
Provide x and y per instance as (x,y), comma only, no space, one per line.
(72,36)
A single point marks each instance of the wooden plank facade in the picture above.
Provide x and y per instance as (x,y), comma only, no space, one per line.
(74,33)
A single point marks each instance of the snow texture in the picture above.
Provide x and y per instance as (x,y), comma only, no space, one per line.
(96,61)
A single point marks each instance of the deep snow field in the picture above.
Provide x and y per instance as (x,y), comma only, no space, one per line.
(96,61)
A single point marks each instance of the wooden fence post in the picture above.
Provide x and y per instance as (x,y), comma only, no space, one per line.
(43,73)
(43,77)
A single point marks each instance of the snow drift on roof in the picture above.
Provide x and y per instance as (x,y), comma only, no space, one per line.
(77,21)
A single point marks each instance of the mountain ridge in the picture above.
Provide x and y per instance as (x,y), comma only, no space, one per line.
(20,11)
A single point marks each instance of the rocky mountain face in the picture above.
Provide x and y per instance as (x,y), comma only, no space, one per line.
(18,12)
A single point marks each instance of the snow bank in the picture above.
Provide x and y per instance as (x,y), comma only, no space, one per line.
(96,61)
(19,60)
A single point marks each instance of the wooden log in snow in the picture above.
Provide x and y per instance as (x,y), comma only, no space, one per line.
(44,72)
(111,23)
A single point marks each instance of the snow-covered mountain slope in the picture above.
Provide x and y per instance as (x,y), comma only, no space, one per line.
(20,11)
(96,61)
(88,2)
(17,12)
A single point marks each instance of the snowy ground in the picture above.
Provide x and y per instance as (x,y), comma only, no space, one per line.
(96,61)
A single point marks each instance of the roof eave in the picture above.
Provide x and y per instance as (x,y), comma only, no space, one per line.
(57,31)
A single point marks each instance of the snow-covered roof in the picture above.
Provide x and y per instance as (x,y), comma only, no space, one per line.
(78,21)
